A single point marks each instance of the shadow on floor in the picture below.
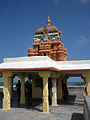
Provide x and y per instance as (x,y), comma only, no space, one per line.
(77,116)
(34,105)
(16,104)
(70,100)
(30,104)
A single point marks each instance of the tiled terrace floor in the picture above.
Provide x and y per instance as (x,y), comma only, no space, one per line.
(70,110)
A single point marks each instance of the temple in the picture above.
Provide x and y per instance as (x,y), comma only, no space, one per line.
(46,68)
(47,42)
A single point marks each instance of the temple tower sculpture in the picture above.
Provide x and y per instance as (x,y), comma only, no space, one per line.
(47,42)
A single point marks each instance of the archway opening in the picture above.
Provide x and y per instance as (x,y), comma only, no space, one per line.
(75,90)
(15,91)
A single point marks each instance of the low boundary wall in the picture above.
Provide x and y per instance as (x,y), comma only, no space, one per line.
(75,89)
(87,107)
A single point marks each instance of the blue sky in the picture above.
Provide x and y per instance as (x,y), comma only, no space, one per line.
(19,20)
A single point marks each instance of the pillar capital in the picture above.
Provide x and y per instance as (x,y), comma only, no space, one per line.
(44,74)
(55,75)
(86,76)
(7,74)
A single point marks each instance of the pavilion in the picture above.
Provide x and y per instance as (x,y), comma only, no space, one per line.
(43,66)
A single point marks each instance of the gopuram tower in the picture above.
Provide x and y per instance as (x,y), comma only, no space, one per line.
(47,42)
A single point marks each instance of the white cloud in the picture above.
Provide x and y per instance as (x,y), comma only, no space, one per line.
(82,40)
(85,1)
(56,1)
(82,1)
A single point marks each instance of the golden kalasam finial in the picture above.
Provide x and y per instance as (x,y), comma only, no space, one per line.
(48,21)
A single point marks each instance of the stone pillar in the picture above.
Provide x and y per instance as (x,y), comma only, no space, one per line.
(87,78)
(45,95)
(54,92)
(54,77)
(59,89)
(33,86)
(45,75)
(85,87)
(65,88)
(22,98)
(11,87)
(88,85)
(6,91)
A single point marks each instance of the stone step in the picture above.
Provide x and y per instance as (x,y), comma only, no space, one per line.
(79,100)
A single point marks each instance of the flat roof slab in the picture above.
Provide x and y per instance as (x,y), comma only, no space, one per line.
(43,62)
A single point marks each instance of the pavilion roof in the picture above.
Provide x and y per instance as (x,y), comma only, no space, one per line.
(43,63)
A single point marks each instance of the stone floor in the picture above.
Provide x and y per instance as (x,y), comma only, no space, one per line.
(72,109)
(62,112)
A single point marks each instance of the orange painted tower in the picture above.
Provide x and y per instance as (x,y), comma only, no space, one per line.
(47,42)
